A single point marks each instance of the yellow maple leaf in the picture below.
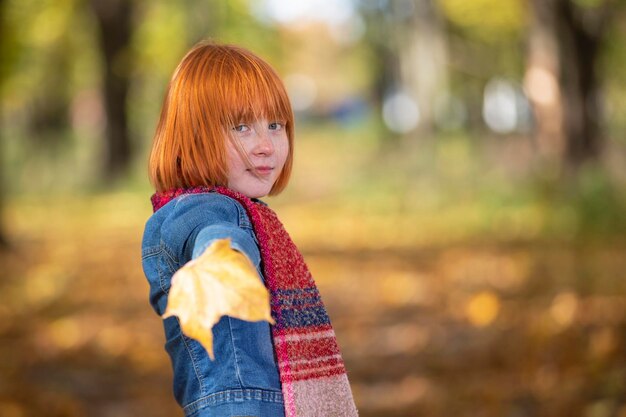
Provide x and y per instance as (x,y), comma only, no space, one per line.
(221,281)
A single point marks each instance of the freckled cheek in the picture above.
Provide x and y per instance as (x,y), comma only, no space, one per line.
(282,149)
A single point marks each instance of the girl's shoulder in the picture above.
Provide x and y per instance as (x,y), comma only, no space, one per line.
(187,214)
(224,204)
(193,208)
(204,200)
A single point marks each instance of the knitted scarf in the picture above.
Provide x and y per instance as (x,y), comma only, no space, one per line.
(312,373)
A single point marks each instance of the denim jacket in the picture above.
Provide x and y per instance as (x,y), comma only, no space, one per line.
(243,380)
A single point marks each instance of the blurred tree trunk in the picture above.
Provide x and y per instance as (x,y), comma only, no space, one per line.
(3,239)
(565,44)
(380,37)
(4,243)
(581,35)
(3,70)
(115,23)
(48,122)
(408,38)
(541,83)
(423,57)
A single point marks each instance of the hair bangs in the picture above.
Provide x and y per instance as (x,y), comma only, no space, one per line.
(251,90)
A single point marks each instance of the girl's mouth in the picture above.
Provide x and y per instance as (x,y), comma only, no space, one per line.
(263,170)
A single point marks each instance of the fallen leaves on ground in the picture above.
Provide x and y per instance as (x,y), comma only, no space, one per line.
(530,329)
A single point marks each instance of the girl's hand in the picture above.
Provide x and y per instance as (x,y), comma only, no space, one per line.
(220,282)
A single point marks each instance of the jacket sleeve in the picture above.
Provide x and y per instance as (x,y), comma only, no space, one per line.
(199,219)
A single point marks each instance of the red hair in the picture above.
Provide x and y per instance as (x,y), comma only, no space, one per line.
(214,88)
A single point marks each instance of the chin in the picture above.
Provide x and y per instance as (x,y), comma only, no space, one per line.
(252,189)
(254,192)
(260,194)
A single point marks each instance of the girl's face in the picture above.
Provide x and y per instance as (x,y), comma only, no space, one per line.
(264,143)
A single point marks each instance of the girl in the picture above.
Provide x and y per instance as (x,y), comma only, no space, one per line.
(225,139)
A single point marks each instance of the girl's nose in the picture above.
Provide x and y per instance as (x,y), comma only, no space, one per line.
(264,144)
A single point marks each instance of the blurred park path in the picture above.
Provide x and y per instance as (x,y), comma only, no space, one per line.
(533,328)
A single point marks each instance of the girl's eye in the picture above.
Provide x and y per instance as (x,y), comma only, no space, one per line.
(241,128)
(276,126)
